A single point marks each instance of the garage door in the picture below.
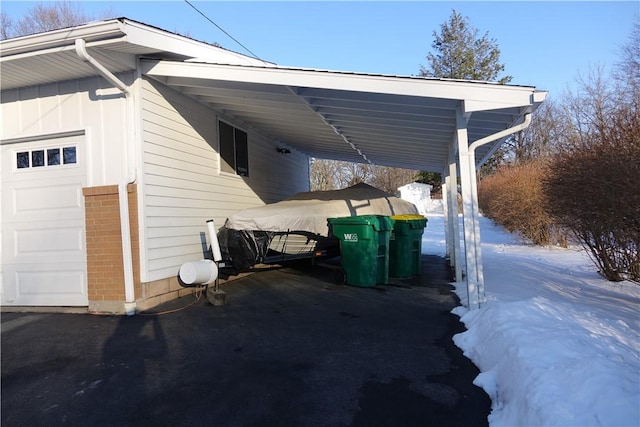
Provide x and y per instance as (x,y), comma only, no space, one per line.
(43,236)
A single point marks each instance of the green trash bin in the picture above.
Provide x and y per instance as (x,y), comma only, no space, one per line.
(364,248)
(405,245)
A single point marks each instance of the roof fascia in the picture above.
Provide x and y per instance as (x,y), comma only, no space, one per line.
(477,96)
(159,39)
(58,39)
(101,33)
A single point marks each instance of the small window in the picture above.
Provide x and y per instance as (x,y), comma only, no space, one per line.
(227,150)
(234,151)
(53,157)
(242,153)
(69,155)
(37,158)
(22,160)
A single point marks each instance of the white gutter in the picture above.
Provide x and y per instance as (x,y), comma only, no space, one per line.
(127,259)
(35,44)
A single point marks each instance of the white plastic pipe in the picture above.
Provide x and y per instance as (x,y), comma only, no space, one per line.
(123,197)
(198,272)
(213,238)
(470,211)
(502,134)
(81,51)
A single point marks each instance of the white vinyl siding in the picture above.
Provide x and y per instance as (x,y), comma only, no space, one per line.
(88,105)
(183,185)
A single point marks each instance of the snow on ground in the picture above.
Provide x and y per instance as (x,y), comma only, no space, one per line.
(556,344)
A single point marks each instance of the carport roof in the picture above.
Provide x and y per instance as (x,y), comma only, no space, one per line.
(398,121)
(406,122)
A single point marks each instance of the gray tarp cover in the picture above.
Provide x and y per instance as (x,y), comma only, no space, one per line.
(309,211)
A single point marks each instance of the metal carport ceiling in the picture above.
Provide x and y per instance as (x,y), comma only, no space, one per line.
(407,122)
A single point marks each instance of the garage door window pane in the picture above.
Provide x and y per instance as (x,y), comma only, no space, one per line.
(69,154)
(22,160)
(53,156)
(37,158)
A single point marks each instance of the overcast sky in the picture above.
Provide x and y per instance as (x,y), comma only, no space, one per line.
(543,44)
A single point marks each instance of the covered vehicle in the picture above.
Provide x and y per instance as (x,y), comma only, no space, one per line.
(297,227)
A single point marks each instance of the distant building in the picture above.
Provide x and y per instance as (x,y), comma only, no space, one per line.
(420,195)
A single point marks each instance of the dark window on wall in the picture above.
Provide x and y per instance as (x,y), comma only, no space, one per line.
(227,150)
(234,152)
(242,153)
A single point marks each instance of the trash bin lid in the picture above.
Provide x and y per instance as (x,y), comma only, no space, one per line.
(416,221)
(378,222)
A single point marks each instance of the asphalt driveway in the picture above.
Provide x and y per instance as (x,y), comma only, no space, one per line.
(291,348)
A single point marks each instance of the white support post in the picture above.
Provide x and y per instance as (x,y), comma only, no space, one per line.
(448,234)
(470,214)
(476,229)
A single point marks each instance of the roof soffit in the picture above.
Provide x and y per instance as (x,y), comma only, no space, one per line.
(392,121)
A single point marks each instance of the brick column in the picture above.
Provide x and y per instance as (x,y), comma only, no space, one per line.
(105,273)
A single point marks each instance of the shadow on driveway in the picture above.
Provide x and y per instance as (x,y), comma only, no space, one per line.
(290,348)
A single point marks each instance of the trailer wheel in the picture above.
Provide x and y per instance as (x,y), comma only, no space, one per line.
(340,276)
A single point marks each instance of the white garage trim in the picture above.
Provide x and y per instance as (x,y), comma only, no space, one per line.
(43,225)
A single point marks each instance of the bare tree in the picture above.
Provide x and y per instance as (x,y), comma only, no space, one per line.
(593,180)
(588,108)
(354,173)
(592,191)
(333,175)
(539,140)
(323,175)
(583,114)
(390,179)
(627,71)
(6,25)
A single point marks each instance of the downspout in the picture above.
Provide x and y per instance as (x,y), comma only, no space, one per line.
(127,258)
(502,134)
(474,196)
